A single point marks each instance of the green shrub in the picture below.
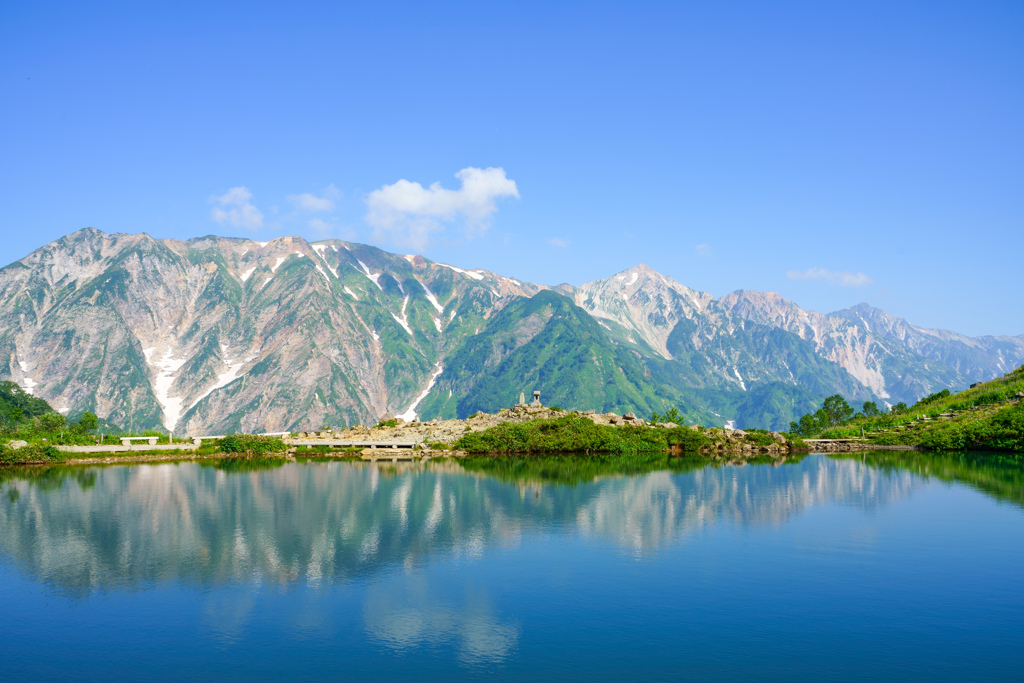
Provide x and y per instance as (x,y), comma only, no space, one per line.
(387,424)
(31,453)
(252,444)
(931,398)
(671,415)
(760,437)
(577,434)
(795,441)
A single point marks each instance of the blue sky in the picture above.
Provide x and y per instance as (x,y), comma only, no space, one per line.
(832,152)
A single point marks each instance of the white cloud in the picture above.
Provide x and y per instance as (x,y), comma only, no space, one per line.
(312,203)
(236,209)
(841,278)
(703,249)
(406,213)
(558,242)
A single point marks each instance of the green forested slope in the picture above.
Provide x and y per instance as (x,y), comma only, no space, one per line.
(548,343)
(19,407)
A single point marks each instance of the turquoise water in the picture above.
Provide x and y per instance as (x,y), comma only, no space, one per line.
(882,568)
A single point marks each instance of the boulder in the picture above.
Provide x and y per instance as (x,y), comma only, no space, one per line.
(779,438)
(14,445)
(385,418)
(629,416)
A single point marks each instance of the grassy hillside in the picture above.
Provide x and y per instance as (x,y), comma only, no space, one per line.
(989,416)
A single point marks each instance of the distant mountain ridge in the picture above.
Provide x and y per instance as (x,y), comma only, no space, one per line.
(217,334)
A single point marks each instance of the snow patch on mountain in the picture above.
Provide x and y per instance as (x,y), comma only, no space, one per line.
(404,320)
(410,414)
(431,298)
(467,273)
(165,368)
(225,378)
(373,276)
(28,384)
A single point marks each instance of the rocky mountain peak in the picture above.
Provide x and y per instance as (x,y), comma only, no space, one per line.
(643,305)
(226,333)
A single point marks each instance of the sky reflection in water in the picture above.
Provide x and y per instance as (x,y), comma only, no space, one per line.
(824,568)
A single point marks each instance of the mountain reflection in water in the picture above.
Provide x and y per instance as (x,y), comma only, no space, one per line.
(108,528)
(515,567)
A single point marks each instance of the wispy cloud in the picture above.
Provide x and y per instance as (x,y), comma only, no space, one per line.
(558,242)
(320,225)
(408,214)
(842,278)
(325,229)
(236,208)
(703,250)
(312,203)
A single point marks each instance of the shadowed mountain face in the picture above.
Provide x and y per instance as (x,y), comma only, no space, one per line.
(82,531)
(217,334)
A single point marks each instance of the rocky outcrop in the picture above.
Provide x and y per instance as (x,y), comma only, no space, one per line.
(438,436)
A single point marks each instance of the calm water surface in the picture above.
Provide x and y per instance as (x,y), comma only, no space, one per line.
(883,567)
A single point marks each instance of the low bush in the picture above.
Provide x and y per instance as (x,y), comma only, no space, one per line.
(795,441)
(576,434)
(252,444)
(760,437)
(30,453)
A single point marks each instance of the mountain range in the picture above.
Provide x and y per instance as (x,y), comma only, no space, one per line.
(217,334)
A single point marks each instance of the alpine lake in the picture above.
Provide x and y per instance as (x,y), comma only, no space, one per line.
(865,566)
